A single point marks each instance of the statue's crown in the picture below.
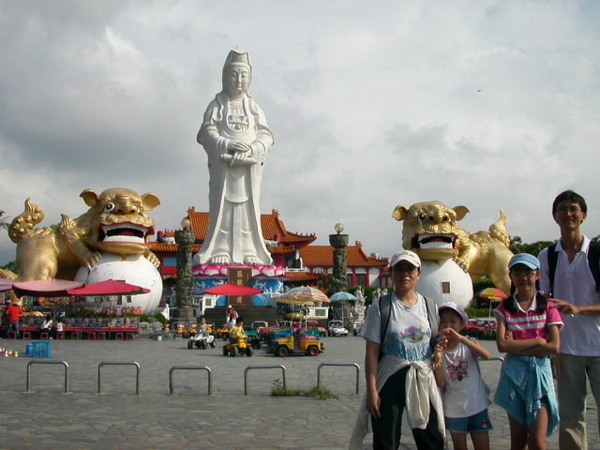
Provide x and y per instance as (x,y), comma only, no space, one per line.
(237,57)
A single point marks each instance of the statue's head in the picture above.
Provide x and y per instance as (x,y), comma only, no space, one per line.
(237,73)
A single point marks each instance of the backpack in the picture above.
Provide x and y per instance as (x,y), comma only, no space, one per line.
(385,304)
(593,256)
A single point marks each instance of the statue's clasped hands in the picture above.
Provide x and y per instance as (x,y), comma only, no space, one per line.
(238,154)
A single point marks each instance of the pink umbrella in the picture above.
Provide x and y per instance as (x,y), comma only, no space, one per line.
(5,285)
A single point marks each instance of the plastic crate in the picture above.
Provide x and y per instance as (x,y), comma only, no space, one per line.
(42,349)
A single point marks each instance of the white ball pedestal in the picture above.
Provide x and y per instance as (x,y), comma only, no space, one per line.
(134,269)
(445,281)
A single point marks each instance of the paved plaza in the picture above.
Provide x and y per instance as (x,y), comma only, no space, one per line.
(46,417)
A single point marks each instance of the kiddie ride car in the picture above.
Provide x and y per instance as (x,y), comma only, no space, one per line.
(336,328)
(252,336)
(314,325)
(222,332)
(286,342)
(237,346)
(267,334)
(482,328)
(203,340)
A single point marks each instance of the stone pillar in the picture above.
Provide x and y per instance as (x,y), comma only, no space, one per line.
(183,289)
(339,242)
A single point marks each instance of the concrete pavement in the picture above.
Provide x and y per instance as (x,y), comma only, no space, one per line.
(190,418)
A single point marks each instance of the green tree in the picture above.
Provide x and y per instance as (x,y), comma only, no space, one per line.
(12,266)
(4,224)
(518,246)
(515,244)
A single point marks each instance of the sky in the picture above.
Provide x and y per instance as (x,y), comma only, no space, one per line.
(494,105)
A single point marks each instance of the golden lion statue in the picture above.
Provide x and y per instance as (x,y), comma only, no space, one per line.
(431,229)
(115,223)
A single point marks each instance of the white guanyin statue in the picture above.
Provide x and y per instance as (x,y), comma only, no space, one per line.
(237,140)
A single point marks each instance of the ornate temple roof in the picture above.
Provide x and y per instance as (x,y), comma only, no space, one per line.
(284,243)
(322,256)
(302,277)
(273,229)
(158,247)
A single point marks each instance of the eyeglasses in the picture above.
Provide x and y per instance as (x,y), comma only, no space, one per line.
(406,270)
(526,274)
(568,209)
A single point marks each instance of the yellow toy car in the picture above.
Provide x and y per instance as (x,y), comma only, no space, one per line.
(286,342)
(237,346)
(223,332)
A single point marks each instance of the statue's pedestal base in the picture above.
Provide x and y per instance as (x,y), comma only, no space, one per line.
(267,278)
(134,269)
(185,314)
(445,281)
(212,270)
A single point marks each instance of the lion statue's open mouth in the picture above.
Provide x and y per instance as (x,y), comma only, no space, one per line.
(429,241)
(123,238)
(124,232)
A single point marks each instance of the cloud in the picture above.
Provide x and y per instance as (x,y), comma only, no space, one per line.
(493,105)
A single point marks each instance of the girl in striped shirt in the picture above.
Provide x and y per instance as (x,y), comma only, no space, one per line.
(528,331)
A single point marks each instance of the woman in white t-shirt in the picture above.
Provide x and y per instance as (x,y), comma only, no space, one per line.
(398,331)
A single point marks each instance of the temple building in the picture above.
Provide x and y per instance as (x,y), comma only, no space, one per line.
(304,263)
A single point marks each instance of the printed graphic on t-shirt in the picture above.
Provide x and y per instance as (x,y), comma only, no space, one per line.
(413,334)
(411,344)
(458,369)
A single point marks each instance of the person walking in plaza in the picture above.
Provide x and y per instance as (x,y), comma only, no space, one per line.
(14,312)
(232,316)
(399,331)
(464,393)
(569,272)
(528,332)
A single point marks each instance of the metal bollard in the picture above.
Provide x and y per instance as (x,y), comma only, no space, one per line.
(119,363)
(30,363)
(174,368)
(339,365)
(279,366)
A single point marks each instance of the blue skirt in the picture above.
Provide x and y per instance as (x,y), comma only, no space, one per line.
(525,386)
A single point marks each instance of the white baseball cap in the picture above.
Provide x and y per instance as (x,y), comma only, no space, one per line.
(406,255)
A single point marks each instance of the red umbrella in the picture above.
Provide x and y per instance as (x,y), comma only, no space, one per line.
(108,287)
(45,288)
(232,289)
